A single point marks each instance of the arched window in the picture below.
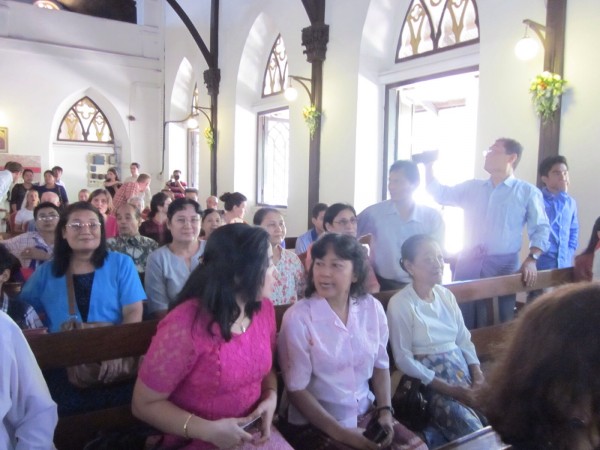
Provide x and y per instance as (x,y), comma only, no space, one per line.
(434,25)
(276,71)
(85,122)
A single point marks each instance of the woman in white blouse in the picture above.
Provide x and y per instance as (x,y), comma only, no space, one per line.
(430,341)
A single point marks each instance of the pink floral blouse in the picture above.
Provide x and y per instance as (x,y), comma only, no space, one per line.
(289,279)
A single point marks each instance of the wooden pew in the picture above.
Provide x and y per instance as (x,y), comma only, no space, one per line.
(484,439)
(85,346)
(91,345)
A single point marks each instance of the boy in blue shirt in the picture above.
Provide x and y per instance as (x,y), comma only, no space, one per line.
(561,210)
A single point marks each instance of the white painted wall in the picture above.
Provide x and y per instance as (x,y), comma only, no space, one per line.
(50,59)
(125,65)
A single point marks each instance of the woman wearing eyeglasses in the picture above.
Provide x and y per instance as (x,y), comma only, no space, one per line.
(36,247)
(169,267)
(106,286)
(341,218)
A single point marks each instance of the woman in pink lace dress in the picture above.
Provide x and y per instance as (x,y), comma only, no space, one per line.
(208,371)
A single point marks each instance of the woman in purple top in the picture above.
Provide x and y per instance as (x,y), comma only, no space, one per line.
(208,371)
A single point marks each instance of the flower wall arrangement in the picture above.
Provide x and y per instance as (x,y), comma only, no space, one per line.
(311,117)
(209,136)
(546,90)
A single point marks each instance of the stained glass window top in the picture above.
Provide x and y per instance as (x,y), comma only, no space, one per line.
(86,122)
(276,71)
(433,25)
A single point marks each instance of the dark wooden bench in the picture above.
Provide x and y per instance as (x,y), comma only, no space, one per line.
(85,346)
(91,345)
(484,439)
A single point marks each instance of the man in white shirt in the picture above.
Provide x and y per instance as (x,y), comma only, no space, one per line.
(12,171)
(28,415)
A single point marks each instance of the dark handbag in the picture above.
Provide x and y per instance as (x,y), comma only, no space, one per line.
(410,404)
(87,375)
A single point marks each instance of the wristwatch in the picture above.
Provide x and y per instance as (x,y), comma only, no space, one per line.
(534,256)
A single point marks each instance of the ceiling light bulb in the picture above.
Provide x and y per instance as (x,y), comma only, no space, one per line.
(291,94)
(191,123)
(46,4)
(527,48)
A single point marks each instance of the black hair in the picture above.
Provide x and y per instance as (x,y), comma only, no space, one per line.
(157,200)
(332,212)
(45,205)
(409,169)
(27,170)
(48,171)
(260,215)
(232,199)
(591,247)
(208,211)
(410,247)
(548,163)
(135,164)
(512,147)
(316,210)
(114,171)
(62,250)
(347,248)
(235,263)
(179,204)
(6,259)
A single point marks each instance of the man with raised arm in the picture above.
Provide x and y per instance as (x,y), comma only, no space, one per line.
(496,210)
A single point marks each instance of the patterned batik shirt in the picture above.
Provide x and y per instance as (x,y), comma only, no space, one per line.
(138,247)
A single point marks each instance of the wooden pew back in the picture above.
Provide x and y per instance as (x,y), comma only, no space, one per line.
(98,344)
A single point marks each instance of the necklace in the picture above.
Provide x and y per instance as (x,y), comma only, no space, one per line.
(240,323)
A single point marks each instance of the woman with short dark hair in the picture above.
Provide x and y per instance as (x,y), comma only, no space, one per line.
(332,346)
(209,371)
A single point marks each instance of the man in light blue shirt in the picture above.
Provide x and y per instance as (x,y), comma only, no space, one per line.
(393,221)
(496,210)
(305,240)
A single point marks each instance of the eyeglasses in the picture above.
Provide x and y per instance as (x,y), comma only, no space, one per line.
(47,218)
(346,222)
(79,226)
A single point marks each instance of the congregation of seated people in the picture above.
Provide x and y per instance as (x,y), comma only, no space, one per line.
(213,280)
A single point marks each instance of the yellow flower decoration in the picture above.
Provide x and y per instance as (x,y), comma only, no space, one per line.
(546,90)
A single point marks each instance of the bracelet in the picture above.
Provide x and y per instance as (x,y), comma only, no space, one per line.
(385,408)
(185,426)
